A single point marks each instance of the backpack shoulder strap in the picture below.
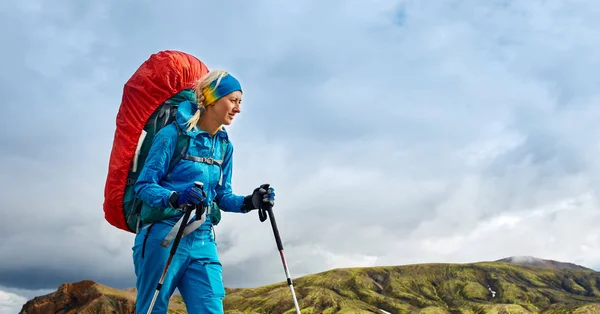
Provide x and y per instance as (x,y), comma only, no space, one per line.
(225,146)
(180,147)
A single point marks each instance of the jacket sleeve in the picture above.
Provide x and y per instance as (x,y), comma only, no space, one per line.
(156,166)
(225,198)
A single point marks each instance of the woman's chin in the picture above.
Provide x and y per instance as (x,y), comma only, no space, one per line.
(229,120)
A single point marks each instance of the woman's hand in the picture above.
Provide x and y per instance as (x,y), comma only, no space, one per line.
(261,198)
(192,195)
(263,195)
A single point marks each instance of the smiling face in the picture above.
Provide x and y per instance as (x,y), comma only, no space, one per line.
(224,110)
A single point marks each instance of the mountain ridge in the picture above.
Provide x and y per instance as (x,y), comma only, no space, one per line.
(525,260)
(481,287)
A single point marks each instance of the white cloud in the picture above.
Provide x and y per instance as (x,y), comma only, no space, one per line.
(11,303)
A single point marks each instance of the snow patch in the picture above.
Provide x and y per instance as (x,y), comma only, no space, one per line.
(492,291)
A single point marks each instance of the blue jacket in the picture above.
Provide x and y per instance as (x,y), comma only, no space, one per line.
(155,185)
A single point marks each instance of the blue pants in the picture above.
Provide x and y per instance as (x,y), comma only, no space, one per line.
(195,270)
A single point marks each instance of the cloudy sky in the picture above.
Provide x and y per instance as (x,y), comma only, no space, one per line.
(394,132)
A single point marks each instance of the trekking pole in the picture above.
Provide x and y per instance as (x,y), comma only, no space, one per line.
(269,210)
(186,217)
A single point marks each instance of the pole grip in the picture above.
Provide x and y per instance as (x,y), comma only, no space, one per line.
(201,208)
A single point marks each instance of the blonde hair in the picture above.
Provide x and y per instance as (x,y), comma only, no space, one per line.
(201,84)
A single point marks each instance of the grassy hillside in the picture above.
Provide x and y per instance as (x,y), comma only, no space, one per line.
(493,287)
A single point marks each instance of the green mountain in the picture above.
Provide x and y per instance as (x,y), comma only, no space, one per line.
(513,285)
(487,287)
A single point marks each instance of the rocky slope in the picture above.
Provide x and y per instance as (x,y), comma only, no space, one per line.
(488,287)
(88,297)
(82,297)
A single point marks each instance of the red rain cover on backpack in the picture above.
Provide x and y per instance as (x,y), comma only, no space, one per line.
(159,78)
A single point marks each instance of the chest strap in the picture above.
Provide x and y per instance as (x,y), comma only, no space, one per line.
(209,161)
(205,160)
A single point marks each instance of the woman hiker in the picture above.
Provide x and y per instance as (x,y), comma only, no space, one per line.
(195,268)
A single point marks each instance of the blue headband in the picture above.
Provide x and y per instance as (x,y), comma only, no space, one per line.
(227,85)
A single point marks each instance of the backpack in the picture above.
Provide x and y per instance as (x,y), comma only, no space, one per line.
(150,101)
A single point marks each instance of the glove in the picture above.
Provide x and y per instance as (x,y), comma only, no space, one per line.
(193,195)
(261,198)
